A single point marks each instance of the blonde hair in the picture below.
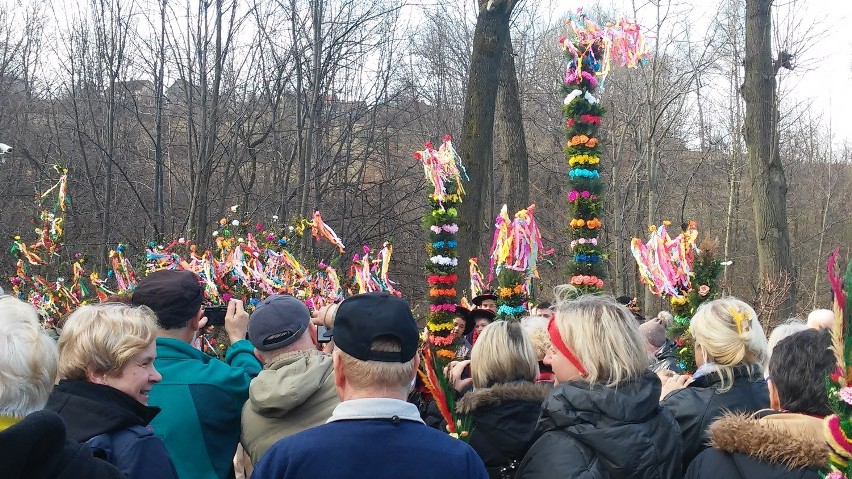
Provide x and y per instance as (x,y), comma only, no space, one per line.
(536,328)
(377,374)
(28,359)
(103,338)
(603,335)
(503,353)
(728,331)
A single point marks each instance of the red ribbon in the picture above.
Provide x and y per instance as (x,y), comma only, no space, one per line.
(556,339)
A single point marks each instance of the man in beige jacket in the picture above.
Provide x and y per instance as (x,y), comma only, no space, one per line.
(295,391)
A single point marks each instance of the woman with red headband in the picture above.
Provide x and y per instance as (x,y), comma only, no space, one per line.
(603,418)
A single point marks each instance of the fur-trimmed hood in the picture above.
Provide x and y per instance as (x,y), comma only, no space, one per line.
(787,439)
(494,396)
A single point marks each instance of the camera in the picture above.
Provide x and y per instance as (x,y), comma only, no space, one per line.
(4,148)
(321,335)
(215,314)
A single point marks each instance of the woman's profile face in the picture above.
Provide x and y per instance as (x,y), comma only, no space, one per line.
(138,375)
(563,369)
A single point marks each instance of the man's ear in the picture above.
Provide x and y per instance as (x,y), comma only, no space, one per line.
(339,374)
(416,364)
(259,356)
(774,400)
(195,322)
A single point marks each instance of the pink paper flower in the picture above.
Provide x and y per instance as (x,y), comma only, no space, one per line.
(703,290)
(845,395)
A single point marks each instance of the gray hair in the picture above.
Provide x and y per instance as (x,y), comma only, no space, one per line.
(28,359)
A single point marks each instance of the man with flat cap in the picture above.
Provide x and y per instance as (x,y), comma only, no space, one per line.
(373,432)
(201,397)
(295,391)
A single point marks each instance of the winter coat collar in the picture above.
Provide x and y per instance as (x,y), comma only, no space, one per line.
(788,439)
(91,409)
(501,393)
(751,372)
(288,381)
(171,348)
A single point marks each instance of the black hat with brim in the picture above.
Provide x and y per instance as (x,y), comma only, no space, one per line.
(363,318)
(482,297)
(481,313)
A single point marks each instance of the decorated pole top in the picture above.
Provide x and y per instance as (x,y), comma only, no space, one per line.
(444,169)
(599,46)
(514,258)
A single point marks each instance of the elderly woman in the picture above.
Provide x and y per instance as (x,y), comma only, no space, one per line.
(505,401)
(106,367)
(730,348)
(602,419)
(33,443)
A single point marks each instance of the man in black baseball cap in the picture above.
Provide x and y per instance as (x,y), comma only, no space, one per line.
(295,391)
(375,362)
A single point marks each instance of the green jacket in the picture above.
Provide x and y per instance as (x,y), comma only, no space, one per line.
(294,392)
(201,399)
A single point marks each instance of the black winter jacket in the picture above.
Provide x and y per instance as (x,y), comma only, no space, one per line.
(666,358)
(37,448)
(114,425)
(598,432)
(767,445)
(696,406)
(504,419)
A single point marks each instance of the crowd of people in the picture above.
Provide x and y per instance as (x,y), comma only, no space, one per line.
(582,387)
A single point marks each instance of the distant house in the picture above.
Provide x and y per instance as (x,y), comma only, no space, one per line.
(178,92)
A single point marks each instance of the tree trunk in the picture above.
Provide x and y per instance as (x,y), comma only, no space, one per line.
(516,182)
(476,147)
(777,294)
(159,167)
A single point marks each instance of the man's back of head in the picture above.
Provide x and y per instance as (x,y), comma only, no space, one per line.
(280,324)
(175,296)
(821,319)
(376,342)
(799,366)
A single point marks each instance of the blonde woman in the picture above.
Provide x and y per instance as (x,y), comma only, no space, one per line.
(505,401)
(602,419)
(106,370)
(730,349)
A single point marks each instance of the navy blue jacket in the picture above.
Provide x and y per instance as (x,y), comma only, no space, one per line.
(370,448)
(115,426)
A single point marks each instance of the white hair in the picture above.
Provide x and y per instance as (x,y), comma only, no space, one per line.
(783,330)
(28,359)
